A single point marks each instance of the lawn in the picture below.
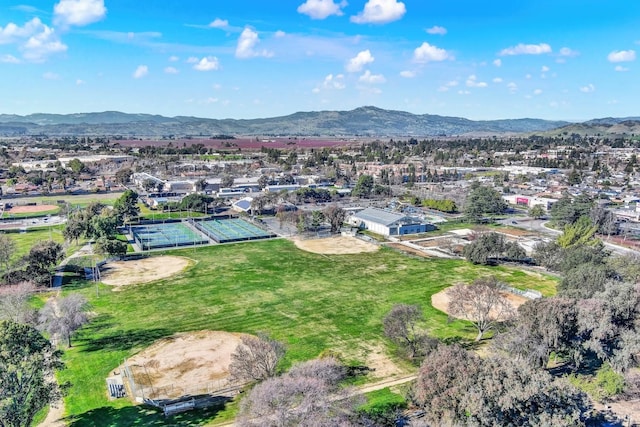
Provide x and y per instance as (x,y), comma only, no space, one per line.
(25,240)
(74,200)
(146,213)
(310,302)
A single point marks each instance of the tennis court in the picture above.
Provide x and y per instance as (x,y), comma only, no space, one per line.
(231,230)
(175,234)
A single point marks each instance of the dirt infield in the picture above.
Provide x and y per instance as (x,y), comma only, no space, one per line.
(340,245)
(185,363)
(441,301)
(145,270)
(31,209)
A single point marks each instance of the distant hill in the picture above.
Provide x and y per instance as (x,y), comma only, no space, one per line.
(363,121)
(607,127)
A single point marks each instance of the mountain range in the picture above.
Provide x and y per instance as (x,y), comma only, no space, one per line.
(363,121)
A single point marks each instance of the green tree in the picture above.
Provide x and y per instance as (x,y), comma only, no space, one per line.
(27,366)
(76,166)
(7,249)
(536,212)
(364,186)
(483,201)
(102,226)
(126,207)
(581,232)
(112,247)
(41,259)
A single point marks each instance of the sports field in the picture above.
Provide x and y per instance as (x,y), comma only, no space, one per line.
(312,302)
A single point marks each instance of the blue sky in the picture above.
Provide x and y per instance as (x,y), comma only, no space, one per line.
(480,59)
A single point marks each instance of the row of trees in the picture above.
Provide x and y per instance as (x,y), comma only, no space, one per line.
(442,205)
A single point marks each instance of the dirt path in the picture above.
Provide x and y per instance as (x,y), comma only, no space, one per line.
(56,410)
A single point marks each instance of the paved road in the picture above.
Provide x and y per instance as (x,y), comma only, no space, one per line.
(539,226)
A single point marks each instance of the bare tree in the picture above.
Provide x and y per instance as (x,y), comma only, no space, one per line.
(61,317)
(7,249)
(481,303)
(309,395)
(335,215)
(456,387)
(255,358)
(401,327)
(14,302)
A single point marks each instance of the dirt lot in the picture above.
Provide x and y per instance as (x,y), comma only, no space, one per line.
(186,363)
(145,270)
(31,209)
(441,300)
(335,245)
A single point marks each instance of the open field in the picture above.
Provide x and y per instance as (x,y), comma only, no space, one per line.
(309,301)
(24,241)
(74,200)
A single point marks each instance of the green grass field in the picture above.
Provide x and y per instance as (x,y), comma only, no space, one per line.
(147,213)
(75,200)
(24,241)
(9,215)
(310,302)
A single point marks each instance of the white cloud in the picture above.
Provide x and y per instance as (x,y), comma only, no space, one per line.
(497,80)
(537,91)
(428,53)
(321,9)
(208,63)
(356,63)
(247,43)
(173,58)
(50,76)
(527,76)
(497,62)
(369,78)
(380,12)
(35,40)
(210,100)
(544,69)
(620,68)
(140,72)
(622,56)
(588,88)
(463,92)
(192,60)
(472,81)
(334,82)
(565,51)
(407,74)
(219,23)
(9,59)
(445,87)
(512,87)
(80,82)
(279,34)
(171,70)
(436,29)
(42,44)
(526,49)
(78,12)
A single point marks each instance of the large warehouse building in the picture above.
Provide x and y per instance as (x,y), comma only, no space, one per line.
(389,223)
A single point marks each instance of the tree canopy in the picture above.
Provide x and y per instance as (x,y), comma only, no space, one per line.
(27,364)
(483,201)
